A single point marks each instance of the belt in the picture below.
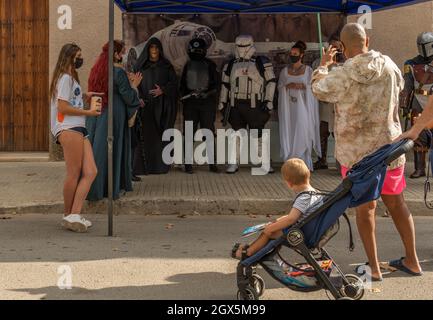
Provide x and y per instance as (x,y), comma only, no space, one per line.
(423,92)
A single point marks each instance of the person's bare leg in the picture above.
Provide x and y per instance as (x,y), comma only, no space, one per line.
(259,243)
(365,219)
(88,175)
(404,223)
(72,143)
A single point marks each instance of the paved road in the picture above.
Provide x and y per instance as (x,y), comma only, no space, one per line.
(168,258)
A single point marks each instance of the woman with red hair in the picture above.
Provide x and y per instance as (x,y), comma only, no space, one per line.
(125,103)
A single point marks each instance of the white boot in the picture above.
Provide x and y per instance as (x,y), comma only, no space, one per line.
(263,152)
(233,153)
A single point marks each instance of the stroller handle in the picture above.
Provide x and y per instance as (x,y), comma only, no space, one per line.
(404,148)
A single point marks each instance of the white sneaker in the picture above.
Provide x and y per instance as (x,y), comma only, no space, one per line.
(88,223)
(75,223)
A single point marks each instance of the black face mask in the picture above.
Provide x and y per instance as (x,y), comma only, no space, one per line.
(78,63)
(295,59)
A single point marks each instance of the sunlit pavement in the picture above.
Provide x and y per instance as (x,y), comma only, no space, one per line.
(170,257)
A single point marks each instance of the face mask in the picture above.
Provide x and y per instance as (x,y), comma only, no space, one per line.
(295,59)
(79,63)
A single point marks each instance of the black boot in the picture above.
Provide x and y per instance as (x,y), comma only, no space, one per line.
(214,168)
(188,169)
(135,178)
(419,165)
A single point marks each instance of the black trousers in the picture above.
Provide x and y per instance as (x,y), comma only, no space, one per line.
(201,112)
(242,116)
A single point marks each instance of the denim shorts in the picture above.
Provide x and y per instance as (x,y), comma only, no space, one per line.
(83,131)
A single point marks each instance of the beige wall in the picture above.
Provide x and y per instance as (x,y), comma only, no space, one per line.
(395,31)
(89,31)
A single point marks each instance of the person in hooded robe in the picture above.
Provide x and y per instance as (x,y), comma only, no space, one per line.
(159,91)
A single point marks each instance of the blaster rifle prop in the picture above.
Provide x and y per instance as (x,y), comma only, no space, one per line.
(227,111)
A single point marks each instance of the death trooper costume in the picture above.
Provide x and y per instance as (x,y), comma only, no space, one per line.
(418,76)
(198,87)
(247,94)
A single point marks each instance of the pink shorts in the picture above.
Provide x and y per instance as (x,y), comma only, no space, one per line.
(395,182)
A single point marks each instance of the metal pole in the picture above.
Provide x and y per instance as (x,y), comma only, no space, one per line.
(319,30)
(110,116)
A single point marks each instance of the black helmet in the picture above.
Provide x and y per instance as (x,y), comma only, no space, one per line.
(197,49)
(425,44)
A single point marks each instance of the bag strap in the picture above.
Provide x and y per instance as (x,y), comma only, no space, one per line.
(351,243)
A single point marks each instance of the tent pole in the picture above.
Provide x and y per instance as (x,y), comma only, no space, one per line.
(110,116)
(319,31)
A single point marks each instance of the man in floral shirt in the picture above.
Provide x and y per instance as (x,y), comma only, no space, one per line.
(366,93)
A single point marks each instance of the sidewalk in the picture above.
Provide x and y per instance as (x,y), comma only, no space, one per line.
(37,188)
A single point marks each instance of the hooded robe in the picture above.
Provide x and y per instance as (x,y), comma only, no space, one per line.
(158,114)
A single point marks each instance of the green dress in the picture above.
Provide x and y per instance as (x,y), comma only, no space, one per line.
(125,104)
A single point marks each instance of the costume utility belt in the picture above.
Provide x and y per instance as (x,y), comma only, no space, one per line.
(253,99)
(423,92)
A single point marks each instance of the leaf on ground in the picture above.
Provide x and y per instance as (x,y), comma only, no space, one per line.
(116,249)
(169,226)
(182,216)
(252,216)
(375,290)
(269,216)
(196,213)
(5,218)
(31,174)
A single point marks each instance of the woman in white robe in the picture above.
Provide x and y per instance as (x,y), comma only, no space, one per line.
(298,110)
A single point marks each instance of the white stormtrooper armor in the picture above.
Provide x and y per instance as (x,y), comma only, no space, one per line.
(245,81)
(251,81)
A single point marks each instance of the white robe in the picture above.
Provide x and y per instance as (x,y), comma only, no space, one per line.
(298,112)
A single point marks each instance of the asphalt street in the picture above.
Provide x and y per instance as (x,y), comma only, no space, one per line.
(171,257)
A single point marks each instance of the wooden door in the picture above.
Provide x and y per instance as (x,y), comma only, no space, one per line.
(24,105)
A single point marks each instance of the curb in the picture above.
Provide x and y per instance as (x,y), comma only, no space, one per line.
(189,207)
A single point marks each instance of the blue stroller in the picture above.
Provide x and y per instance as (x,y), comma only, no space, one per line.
(308,237)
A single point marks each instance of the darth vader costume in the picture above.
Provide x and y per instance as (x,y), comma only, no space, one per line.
(198,88)
(158,114)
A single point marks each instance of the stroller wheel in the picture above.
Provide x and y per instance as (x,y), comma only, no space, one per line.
(250,294)
(354,289)
(259,284)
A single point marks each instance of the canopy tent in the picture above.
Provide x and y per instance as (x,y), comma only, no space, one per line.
(256,6)
(346,7)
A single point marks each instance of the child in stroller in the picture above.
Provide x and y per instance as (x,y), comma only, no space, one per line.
(297,177)
(309,227)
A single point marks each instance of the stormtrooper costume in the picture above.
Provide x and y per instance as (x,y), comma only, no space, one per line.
(246,99)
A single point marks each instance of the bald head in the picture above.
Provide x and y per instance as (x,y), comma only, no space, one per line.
(355,39)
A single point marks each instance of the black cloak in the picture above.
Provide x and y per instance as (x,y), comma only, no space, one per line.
(158,114)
